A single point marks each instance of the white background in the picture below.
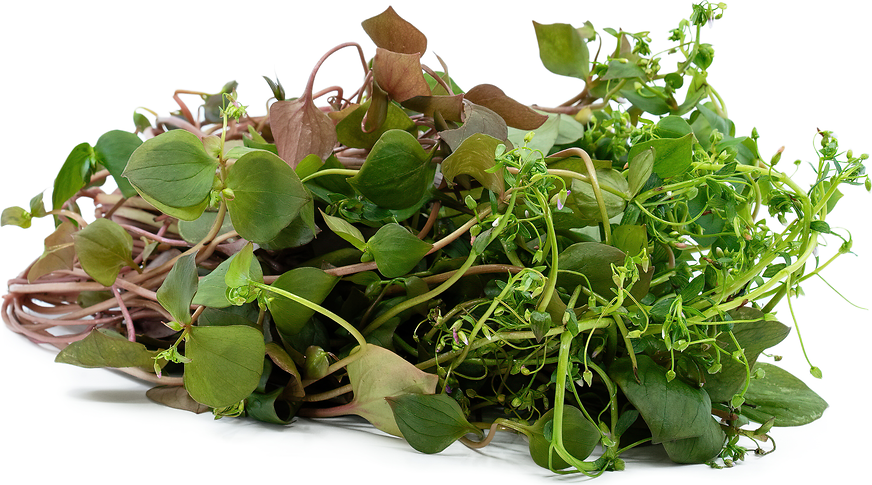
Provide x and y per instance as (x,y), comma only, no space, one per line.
(74,70)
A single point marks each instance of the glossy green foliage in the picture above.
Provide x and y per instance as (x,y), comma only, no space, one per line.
(396,172)
(677,415)
(311,284)
(113,150)
(580,438)
(783,396)
(395,250)
(430,422)
(179,288)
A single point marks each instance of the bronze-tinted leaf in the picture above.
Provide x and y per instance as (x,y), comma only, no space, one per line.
(175,397)
(450,107)
(390,31)
(399,74)
(59,252)
(474,157)
(516,114)
(477,119)
(300,128)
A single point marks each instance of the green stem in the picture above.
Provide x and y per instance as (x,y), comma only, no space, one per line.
(318,308)
(405,305)
(330,171)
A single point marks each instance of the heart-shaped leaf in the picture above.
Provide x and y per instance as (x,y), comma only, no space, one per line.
(477,119)
(399,74)
(59,253)
(101,350)
(226,364)
(474,157)
(430,422)
(562,50)
(396,172)
(580,437)
(104,248)
(379,374)
(395,250)
(113,150)
(174,172)
(350,130)
(178,289)
(672,156)
(267,196)
(300,128)
(308,283)
(390,31)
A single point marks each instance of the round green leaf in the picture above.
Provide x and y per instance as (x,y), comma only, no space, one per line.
(395,250)
(226,364)
(267,195)
(103,248)
(113,151)
(173,170)
(309,283)
(396,172)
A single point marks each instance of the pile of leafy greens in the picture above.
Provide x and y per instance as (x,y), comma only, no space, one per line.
(450,263)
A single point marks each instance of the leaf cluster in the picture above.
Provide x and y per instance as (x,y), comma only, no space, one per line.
(443,262)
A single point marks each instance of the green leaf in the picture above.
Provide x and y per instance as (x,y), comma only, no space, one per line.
(266,196)
(580,437)
(781,395)
(239,273)
(212,290)
(73,175)
(620,69)
(226,364)
(700,449)
(672,127)
(474,157)
(395,250)
(345,230)
(350,131)
(104,248)
(641,167)
(113,151)
(308,283)
(754,337)
(379,374)
(15,216)
(672,409)
(594,260)
(60,253)
(396,172)
(430,422)
(270,408)
(562,50)
(101,350)
(194,231)
(178,289)
(583,200)
(630,239)
(545,135)
(174,172)
(672,156)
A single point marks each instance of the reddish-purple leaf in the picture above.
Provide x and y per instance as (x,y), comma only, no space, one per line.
(300,128)
(390,31)
(516,114)
(399,74)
